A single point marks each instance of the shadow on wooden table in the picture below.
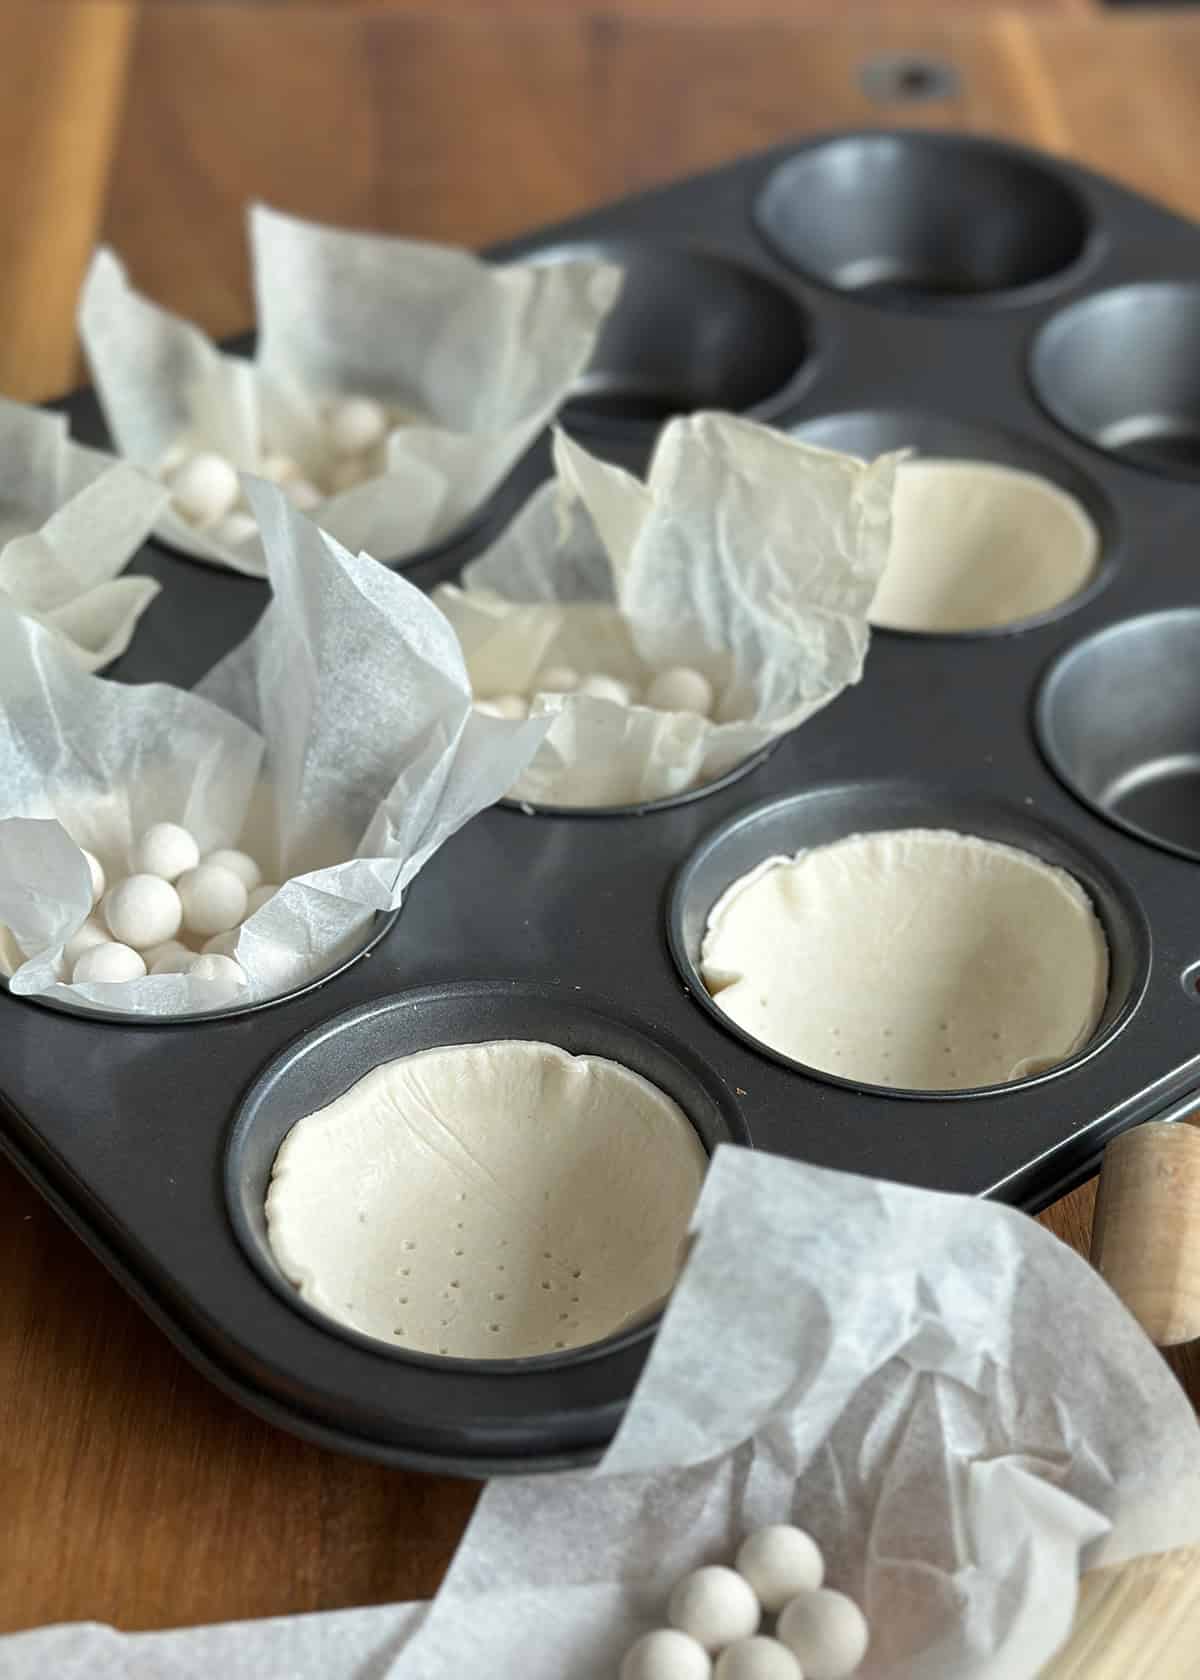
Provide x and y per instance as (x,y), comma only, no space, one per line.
(135,1493)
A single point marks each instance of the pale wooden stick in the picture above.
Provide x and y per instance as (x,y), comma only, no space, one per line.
(1146,1235)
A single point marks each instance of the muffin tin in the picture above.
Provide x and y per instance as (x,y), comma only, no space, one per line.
(863,291)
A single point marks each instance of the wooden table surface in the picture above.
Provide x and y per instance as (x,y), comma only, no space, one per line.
(130,1491)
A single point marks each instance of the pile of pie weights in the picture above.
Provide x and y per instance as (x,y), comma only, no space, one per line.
(175,912)
(204,485)
(716,1614)
(677,689)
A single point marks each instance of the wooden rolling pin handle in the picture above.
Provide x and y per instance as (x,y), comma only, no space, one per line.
(1146,1233)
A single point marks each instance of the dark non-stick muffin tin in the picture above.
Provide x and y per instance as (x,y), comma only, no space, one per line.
(862,291)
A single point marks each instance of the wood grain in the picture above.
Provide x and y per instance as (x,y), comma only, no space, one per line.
(1146,1229)
(690,11)
(130,1491)
(479,131)
(1138,1621)
(63,81)
(133,1492)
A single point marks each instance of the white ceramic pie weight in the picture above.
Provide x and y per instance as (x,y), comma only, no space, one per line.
(309,746)
(71,519)
(745,557)
(462,363)
(947,1398)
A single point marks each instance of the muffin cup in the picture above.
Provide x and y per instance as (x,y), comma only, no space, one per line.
(479,356)
(1118,370)
(689,331)
(824,815)
(923,219)
(322,1067)
(340,785)
(606,574)
(1118,719)
(1038,540)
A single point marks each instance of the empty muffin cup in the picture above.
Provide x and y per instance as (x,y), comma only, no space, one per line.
(915,217)
(908,940)
(989,532)
(1118,719)
(493,1197)
(689,331)
(1119,370)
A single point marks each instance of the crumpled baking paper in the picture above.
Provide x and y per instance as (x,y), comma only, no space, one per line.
(948,1398)
(71,519)
(337,744)
(951,1400)
(745,555)
(335,1645)
(482,354)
